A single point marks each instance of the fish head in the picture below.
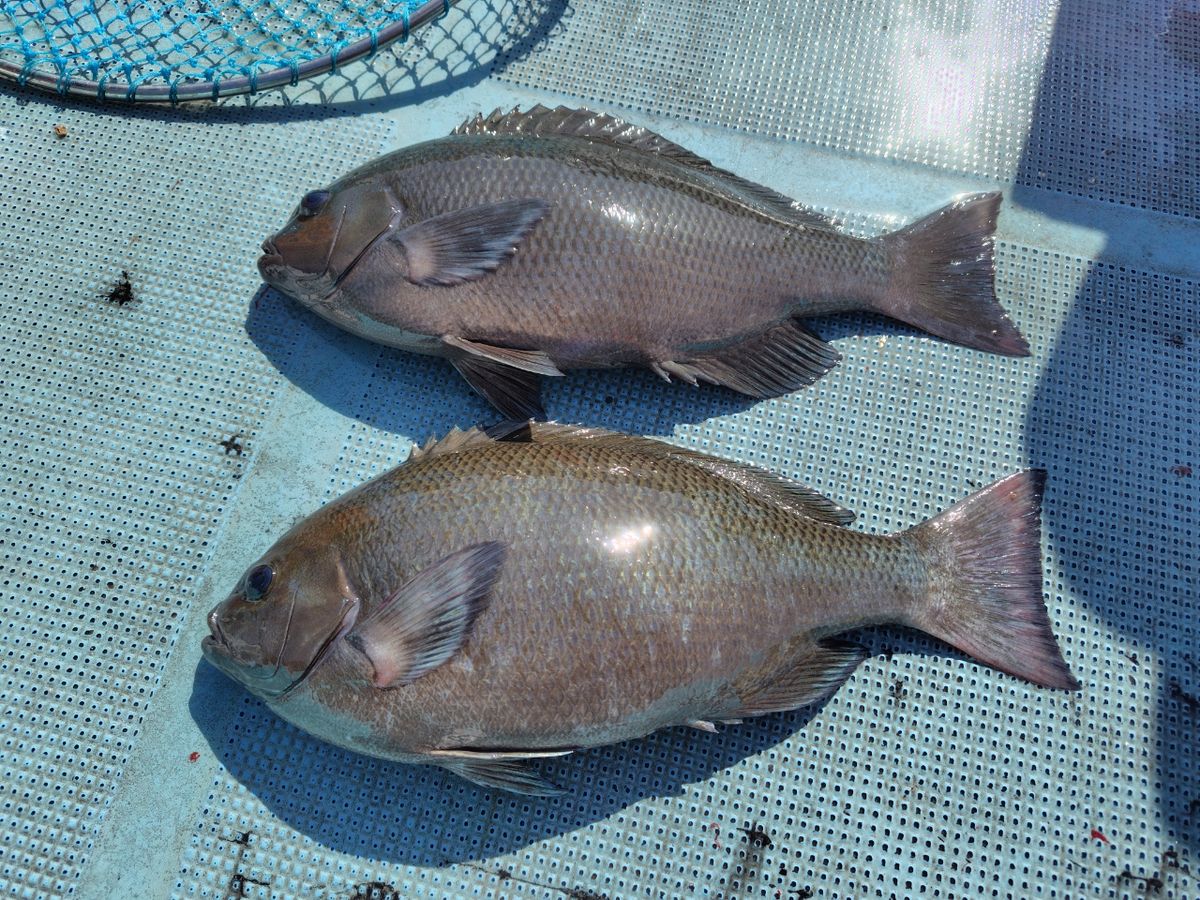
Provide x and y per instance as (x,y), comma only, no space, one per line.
(281,618)
(329,232)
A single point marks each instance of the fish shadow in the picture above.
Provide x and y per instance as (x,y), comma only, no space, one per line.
(422,396)
(1113,414)
(425,816)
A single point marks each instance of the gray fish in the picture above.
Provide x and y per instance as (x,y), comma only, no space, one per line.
(538,589)
(530,243)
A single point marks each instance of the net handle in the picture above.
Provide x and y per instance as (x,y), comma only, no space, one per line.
(177,92)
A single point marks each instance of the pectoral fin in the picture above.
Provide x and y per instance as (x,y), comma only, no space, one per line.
(427,620)
(815,677)
(467,244)
(500,769)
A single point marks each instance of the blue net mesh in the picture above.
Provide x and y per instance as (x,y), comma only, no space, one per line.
(177,50)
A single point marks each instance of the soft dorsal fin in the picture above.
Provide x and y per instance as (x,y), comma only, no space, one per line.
(768,486)
(562,121)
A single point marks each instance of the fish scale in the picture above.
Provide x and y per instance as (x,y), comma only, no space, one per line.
(559,587)
(562,507)
(686,248)
(534,243)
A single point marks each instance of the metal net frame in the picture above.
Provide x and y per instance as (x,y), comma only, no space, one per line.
(193,49)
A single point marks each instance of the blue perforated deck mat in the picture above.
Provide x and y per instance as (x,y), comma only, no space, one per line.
(150,449)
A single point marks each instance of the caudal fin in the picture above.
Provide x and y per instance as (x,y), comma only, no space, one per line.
(944,280)
(987,594)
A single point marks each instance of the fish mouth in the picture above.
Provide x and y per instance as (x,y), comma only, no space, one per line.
(273,270)
(215,636)
(271,259)
(215,647)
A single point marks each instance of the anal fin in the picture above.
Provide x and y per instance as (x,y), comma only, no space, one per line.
(816,676)
(504,770)
(782,359)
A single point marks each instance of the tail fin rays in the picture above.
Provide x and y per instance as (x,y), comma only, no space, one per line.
(987,595)
(945,275)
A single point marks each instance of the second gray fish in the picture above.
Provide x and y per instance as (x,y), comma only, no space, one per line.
(529,243)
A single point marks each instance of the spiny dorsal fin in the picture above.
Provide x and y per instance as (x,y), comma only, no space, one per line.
(562,121)
(768,486)
(456,440)
(452,442)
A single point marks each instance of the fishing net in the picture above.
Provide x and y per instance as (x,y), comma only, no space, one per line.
(191,49)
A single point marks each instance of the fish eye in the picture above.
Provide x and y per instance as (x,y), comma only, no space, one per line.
(258,582)
(313,202)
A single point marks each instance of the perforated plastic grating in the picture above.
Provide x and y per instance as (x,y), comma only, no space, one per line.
(131,768)
(926,775)
(1086,96)
(115,478)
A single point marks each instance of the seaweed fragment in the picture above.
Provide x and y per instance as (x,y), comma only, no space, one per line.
(375,890)
(1191,701)
(121,292)
(758,837)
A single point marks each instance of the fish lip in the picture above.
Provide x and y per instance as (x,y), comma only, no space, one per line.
(215,635)
(268,261)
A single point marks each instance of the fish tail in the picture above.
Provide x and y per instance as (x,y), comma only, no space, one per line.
(986,595)
(944,279)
